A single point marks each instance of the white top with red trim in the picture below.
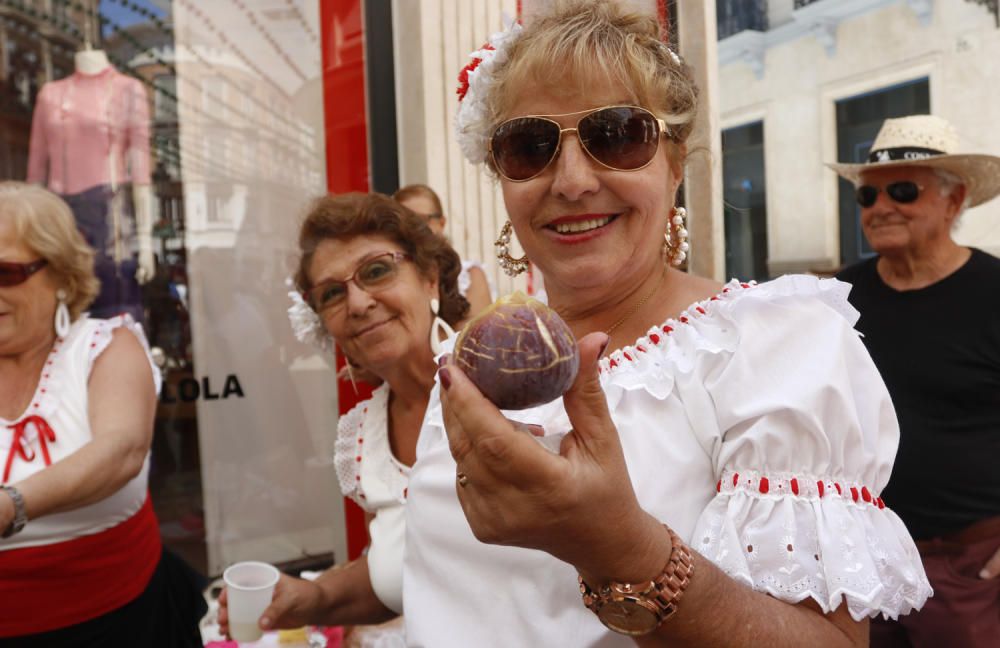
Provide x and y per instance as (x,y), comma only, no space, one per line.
(755,425)
(55,425)
(371,476)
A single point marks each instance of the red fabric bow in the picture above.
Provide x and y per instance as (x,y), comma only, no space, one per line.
(45,435)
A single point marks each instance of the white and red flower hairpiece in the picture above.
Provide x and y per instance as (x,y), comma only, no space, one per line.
(472,125)
(305,321)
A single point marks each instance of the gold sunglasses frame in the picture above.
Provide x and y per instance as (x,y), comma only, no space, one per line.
(662,125)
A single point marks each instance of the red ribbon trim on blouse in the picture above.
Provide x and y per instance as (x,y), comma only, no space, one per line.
(45,435)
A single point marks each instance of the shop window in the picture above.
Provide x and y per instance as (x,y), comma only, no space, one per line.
(744,201)
(233,155)
(859,119)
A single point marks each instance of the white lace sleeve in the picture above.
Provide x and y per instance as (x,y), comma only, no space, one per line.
(808,437)
(347,451)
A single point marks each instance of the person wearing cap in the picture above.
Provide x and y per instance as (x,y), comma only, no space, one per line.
(930,317)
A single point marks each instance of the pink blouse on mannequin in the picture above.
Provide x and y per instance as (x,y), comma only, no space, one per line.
(90,130)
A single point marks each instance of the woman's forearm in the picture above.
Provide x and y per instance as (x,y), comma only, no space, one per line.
(719,611)
(716,610)
(349,598)
(91,474)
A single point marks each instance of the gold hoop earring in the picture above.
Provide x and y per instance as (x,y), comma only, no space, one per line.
(510,265)
(675,239)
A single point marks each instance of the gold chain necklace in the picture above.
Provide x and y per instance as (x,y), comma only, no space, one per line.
(642,301)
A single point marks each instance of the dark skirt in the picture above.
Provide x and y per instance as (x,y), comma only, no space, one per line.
(165,615)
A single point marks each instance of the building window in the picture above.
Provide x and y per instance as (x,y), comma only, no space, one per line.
(735,16)
(859,119)
(165,99)
(745,201)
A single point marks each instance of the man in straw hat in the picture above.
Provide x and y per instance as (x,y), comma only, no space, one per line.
(930,316)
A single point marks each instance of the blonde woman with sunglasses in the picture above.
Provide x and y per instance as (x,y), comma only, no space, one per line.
(81,563)
(722,451)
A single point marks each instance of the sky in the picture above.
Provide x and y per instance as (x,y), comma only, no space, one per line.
(116,11)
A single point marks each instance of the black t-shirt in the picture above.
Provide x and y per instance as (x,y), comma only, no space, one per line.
(938,349)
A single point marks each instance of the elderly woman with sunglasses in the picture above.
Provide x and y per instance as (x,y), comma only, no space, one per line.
(80,554)
(384,287)
(717,474)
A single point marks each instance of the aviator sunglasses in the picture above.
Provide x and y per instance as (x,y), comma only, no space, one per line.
(621,138)
(12,274)
(374,274)
(905,191)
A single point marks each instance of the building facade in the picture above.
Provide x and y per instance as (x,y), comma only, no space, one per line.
(805,82)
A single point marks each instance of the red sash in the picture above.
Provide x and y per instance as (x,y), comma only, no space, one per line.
(62,584)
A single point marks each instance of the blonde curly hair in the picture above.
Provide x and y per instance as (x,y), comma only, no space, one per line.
(44,223)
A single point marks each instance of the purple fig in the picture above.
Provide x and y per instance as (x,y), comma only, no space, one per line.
(518,352)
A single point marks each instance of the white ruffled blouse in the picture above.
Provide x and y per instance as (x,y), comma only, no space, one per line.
(371,476)
(755,425)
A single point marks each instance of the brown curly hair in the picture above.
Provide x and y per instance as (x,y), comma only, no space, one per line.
(350,215)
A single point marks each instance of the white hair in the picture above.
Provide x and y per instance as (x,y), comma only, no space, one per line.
(949,182)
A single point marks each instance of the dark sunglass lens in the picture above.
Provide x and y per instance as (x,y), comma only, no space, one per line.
(522,148)
(903,192)
(12,274)
(621,138)
(866,195)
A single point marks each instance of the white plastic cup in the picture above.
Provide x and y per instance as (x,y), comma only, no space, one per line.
(249,587)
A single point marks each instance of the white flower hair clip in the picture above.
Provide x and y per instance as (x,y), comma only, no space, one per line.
(305,322)
(474,81)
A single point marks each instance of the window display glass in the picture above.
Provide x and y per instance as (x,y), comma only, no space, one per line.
(187,138)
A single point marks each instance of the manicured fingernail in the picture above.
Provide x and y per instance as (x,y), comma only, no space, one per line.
(445,378)
(443,360)
(984,574)
(604,347)
(265,622)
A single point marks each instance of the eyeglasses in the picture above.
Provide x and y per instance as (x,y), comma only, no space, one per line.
(905,191)
(621,138)
(12,274)
(374,274)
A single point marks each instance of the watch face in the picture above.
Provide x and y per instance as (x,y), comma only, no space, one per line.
(627,617)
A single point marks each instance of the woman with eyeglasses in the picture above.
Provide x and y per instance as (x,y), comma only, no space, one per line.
(384,287)
(721,453)
(81,562)
(472,281)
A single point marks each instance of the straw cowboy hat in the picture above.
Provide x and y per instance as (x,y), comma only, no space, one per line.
(928,141)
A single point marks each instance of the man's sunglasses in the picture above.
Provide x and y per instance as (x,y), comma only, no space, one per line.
(905,191)
(12,274)
(622,138)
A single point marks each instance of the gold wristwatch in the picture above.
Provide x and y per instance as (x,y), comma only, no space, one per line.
(636,609)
